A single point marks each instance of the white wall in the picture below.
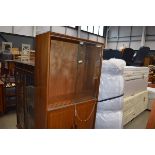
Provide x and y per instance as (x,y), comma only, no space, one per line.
(7,29)
(120,37)
(23,30)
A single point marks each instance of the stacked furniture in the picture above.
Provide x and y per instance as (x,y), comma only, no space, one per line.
(110,53)
(132,58)
(135,92)
(66,82)
(127,55)
(139,57)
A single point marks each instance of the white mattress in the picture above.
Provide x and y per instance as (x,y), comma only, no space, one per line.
(131,72)
(134,105)
(135,80)
(134,86)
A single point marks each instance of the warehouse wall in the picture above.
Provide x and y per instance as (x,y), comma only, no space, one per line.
(127,36)
(26,34)
(69,31)
(20,30)
(18,35)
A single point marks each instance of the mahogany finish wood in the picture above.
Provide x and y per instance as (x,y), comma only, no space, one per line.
(85,114)
(61,118)
(43,43)
(67,78)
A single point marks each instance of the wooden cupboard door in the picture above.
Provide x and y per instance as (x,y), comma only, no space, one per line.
(85,114)
(62,118)
(63,71)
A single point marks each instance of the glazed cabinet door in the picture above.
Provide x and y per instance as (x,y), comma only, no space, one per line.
(63,72)
(88,72)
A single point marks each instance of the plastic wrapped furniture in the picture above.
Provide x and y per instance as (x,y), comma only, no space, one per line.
(109,53)
(111,90)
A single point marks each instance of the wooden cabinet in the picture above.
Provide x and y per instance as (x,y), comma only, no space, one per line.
(67,81)
(24,75)
(1,97)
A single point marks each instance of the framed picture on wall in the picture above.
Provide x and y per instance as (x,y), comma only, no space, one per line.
(26,49)
(7,46)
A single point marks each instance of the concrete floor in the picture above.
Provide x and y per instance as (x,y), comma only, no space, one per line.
(139,122)
(8,121)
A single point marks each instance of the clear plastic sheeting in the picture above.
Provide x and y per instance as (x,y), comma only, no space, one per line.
(109,120)
(109,112)
(111,105)
(113,66)
(110,86)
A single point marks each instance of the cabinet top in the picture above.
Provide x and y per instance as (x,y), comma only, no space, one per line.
(55,35)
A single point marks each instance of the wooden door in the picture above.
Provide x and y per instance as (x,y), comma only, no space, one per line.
(61,118)
(85,114)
